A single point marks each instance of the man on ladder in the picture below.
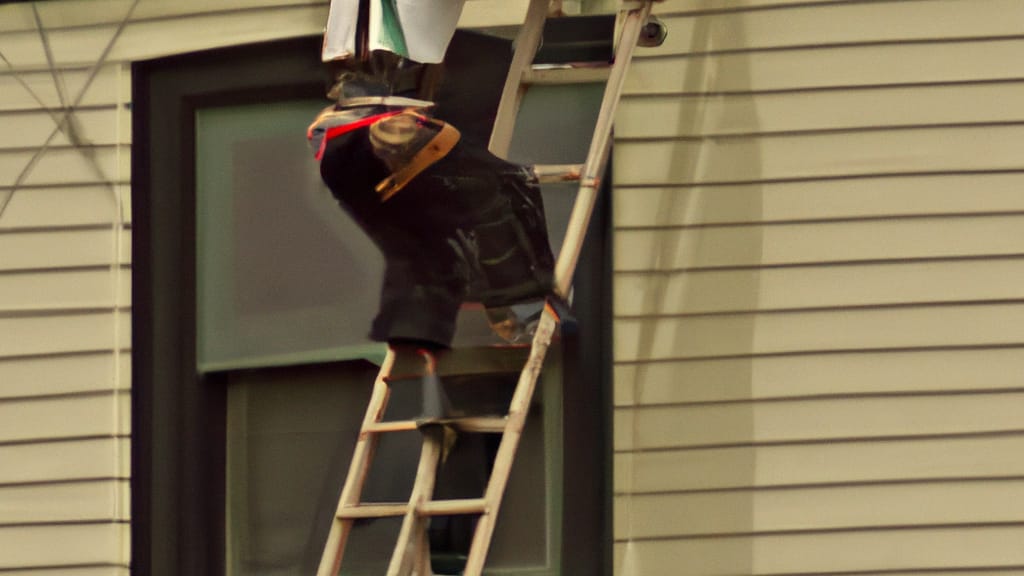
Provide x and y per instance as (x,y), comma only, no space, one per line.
(455,222)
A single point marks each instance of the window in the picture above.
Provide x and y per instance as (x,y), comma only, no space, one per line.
(248,390)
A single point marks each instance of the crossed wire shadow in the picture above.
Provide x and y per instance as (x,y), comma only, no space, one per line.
(64,117)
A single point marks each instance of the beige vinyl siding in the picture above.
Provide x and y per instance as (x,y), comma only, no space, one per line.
(75,571)
(857,23)
(832,67)
(110,86)
(64,460)
(821,199)
(819,274)
(880,551)
(84,13)
(827,508)
(81,543)
(75,288)
(65,256)
(848,373)
(785,466)
(64,502)
(64,327)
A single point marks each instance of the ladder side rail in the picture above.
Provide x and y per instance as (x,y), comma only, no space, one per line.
(411,539)
(411,548)
(579,220)
(527,43)
(358,470)
(518,410)
(597,156)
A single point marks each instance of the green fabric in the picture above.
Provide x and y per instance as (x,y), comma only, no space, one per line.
(391,34)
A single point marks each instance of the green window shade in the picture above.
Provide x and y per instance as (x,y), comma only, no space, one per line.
(283,276)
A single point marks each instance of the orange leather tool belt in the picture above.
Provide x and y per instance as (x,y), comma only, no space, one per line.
(332,123)
(437,148)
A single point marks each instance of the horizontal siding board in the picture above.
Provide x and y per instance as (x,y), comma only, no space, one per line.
(844,23)
(798,332)
(95,288)
(64,333)
(710,291)
(151,39)
(69,502)
(819,155)
(16,17)
(162,10)
(75,13)
(885,551)
(725,114)
(822,508)
(818,242)
(816,420)
(65,460)
(766,377)
(24,377)
(67,206)
(872,461)
(814,68)
(154,38)
(703,6)
(64,417)
(873,197)
(48,546)
(848,139)
(20,91)
(34,250)
(25,49)
(484,13)
(110,87)
(102,126)
(103,570)
(757,29)
(60,166)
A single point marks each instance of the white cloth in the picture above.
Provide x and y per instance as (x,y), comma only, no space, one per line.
(427,26)
(340,34)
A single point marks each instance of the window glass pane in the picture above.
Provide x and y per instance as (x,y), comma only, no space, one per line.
(289,438)
(286,276)
(290,435)
(283,274)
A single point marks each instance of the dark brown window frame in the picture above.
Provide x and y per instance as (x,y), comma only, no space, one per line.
(178,454)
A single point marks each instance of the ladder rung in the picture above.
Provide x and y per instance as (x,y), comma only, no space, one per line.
(558,172)
(482,424)
(433,508)
(450,507)
(566,75)
(372,511)
(391,426)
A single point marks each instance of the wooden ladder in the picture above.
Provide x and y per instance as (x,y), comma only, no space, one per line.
(411,554)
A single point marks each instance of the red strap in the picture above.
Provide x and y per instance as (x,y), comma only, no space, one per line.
(336,131)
